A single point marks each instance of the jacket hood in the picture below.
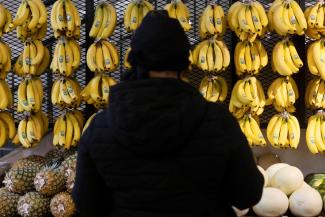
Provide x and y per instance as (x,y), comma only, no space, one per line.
(155,116)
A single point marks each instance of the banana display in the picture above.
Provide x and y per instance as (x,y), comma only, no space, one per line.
(250,127)
(97,91)
(88,122)
(5,58)
(127,65)
(212,22)
(250,57)
(66,93)
(247,96)
(5,20)
(283,131)
(285,58)
(30,20)
(315,20)
(211,55)
(315,94)
(30,95)
(66,57)
(7,127)
(32,128)
(247,20)
(102,57)
(65,19)
(104,22)
(214,89)
(6,99)
(34,59)
(315,133)
(68,129)
(316,58)
(135,11)
(178,10)
(283,93)
(286,18)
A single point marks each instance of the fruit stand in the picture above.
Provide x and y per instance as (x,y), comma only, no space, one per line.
(264,59)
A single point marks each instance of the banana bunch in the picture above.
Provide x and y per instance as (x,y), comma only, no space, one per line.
(315,133)
(97,91)
(88,122)
(283,131)
(30,95)
(5,20)
(32,128)
(5,58)
(102,57)
(34,59)
(316,58)
(247,20)
(250,127)
(178,10)
(66,93)
(214,89)
(285,58)
(105,21)
(315,94)
(66,57)
(6,99)
(65,19)
(212,22)
(7,127)
(211,55)
(68,129)
(247,96)
(250,57)
(283,93)
(127,65)
(135,11)
(30,20)
(315,20)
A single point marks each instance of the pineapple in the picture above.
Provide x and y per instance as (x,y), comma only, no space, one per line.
(31,161)
(69,165)
(62,205)
(54,155)
(70,181)
(68,152)
(49,181)
(33,204)
(8,203)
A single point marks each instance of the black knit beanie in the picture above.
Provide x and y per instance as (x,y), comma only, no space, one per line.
(159,44)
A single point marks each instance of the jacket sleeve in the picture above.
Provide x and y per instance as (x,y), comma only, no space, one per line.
(243,177)
(90,193)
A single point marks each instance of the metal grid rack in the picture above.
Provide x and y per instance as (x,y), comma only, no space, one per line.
(122,39)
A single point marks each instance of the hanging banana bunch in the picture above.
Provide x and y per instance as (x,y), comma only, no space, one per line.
(247,20)
(247,97)
(135,11)
(97,91)
(315,133)
(214,88)
(102,57)
(283,93)
(315,94)
(30,20)
(178,10)
(7,127)
(5,20)
(88,122)
(315,20)
(127,65)
(104,22)
(66,93)
(286,18)
(5,59)
(250,127)
(250,57)
(316,58)
(211,55)
(283,131)
(30,95)
(68,129)
(6,99)
(212,22)
(285,58)
(65,19)
(32,128)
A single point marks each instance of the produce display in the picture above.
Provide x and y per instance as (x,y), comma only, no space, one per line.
(315,20)
(214,88)
(178,10)
(212,22)
(104,21)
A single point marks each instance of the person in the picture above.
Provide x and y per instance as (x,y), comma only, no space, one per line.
(160,149)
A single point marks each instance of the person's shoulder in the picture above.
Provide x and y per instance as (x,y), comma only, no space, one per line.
(218,111)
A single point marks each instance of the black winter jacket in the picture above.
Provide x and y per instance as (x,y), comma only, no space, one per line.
(161,150)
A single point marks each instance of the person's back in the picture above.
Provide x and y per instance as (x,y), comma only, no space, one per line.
(161,150)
